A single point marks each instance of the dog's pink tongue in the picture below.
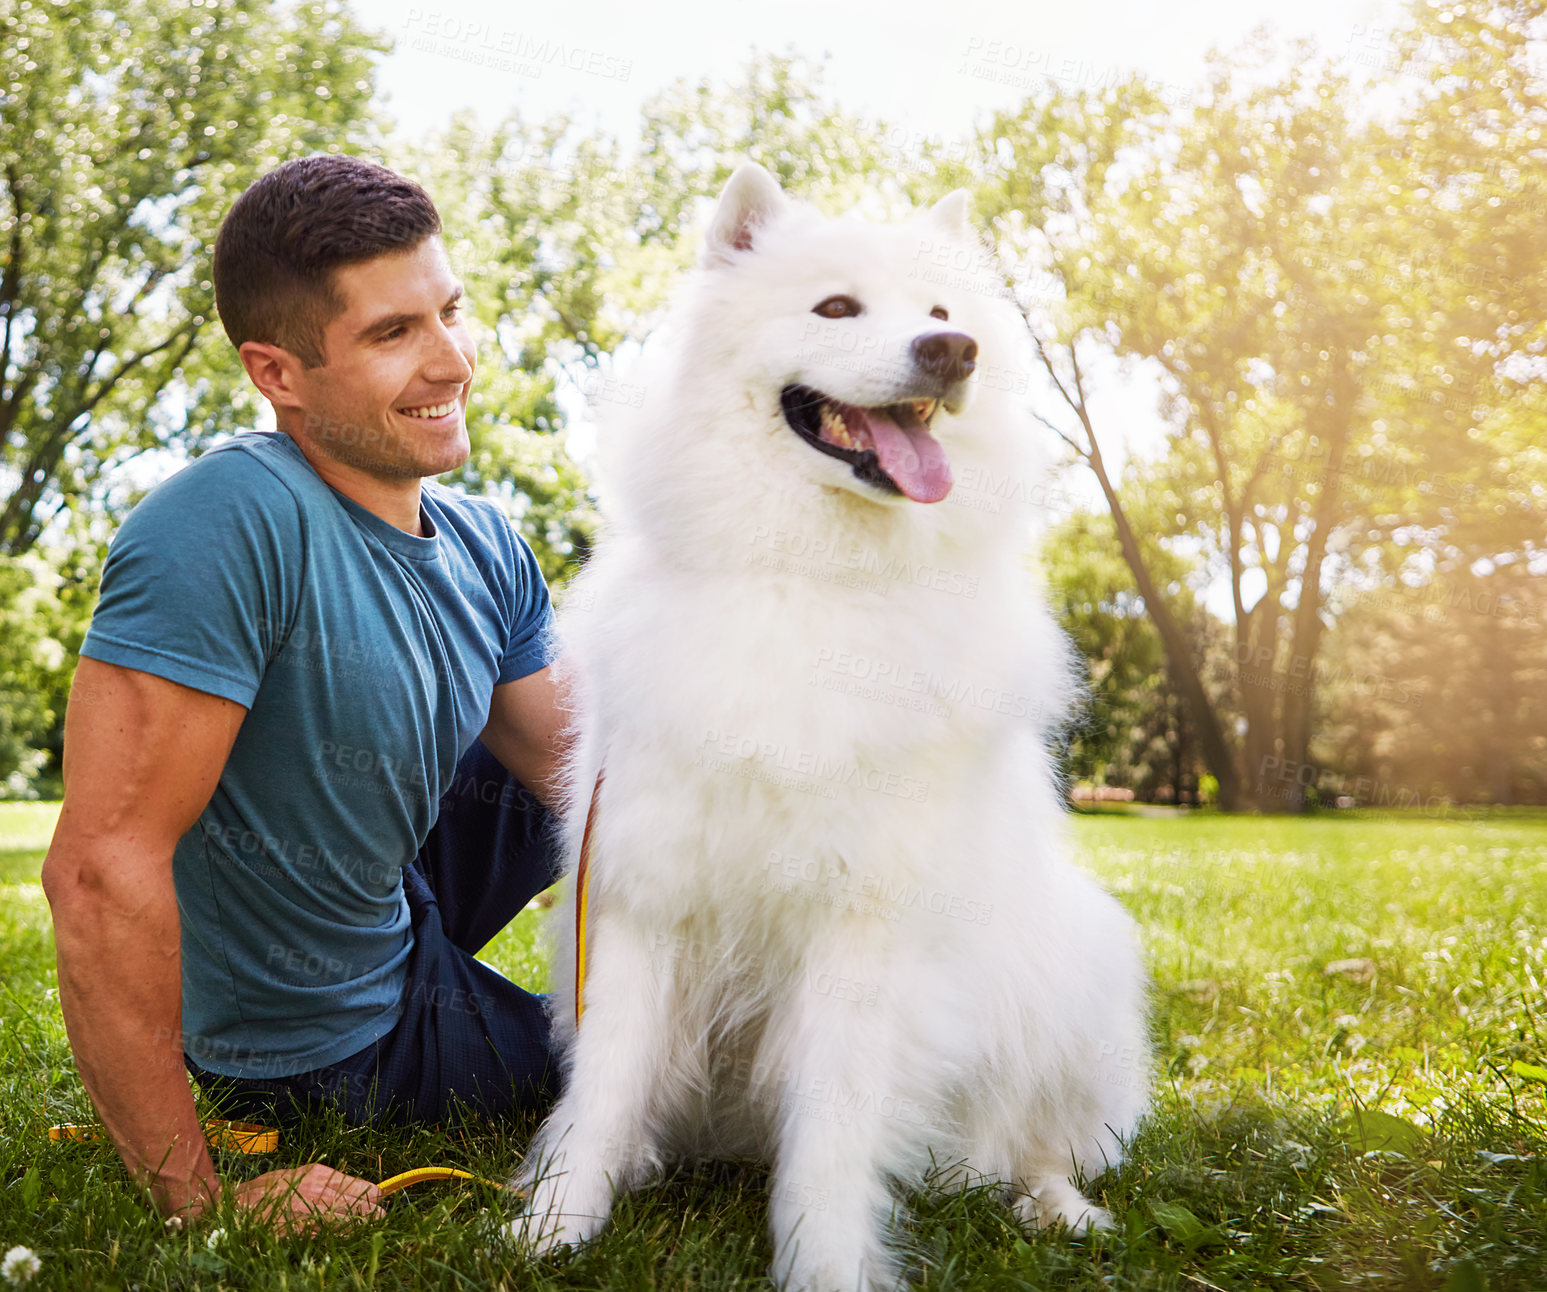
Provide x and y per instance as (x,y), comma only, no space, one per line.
(909,453)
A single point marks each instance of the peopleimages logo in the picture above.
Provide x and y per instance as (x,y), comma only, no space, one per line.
(888,681)
(802,769)
(1258,667)
(507,49)
(825,558)
(827,883)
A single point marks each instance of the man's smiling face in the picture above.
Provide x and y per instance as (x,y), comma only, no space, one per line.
(391,398)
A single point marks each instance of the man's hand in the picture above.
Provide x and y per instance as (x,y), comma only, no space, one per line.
(297,1198)
(526,730)
(142,757)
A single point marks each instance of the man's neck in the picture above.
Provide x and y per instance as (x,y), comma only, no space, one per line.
(396,499)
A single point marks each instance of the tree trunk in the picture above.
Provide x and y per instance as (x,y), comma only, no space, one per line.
(1305,641)
(1217,752)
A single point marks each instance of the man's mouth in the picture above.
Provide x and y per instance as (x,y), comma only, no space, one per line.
(431,410)
(888,445)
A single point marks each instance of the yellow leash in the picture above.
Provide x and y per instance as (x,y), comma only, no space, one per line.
(582,886)
(234,1137)
(249,1137)
(420,1174)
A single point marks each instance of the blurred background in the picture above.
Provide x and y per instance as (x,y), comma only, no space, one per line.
(1287,286)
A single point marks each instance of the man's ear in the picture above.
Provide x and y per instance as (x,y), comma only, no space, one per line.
(274,371)
(751,198)
(952,213)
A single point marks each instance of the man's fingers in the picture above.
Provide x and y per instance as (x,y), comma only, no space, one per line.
(354,1196)
(333,1193)
(294,1199)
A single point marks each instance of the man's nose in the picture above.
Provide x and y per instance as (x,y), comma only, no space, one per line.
(452,357)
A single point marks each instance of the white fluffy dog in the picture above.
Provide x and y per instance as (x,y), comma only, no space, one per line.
(829,922)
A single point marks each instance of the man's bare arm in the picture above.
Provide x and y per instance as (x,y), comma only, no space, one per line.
(526,730)
(142,758)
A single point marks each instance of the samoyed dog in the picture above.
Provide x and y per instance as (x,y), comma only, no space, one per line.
(827,921)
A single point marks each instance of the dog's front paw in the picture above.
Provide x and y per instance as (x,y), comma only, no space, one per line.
(559,1212)
(554,1220)
(1054,1201)
(540,1236)
(811,1256)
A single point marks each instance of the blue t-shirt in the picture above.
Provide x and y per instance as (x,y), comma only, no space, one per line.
(366,658)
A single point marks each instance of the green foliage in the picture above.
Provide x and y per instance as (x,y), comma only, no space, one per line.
(1440,688)
(45,605)
(1133,731)
(125,133)
(25,715)
(1351,397)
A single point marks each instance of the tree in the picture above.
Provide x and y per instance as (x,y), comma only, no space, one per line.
(46,601)
(1437,692)
(1133,730)
(26,716)
(125,133)
(1242,247)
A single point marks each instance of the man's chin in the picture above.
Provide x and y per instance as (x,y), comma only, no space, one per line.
(441,454)
(412,462)
(455,455)
(422,468)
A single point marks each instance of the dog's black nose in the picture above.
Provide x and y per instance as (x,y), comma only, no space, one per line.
(948,356)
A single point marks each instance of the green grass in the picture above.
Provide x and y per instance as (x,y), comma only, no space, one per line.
(1366,1127)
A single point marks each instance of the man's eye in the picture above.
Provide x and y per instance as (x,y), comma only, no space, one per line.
(452,310)
(392,335)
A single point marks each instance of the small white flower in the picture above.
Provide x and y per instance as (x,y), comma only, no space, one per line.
(21,1265)
(216,1237)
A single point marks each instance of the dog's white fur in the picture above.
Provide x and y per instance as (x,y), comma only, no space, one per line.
(830,929)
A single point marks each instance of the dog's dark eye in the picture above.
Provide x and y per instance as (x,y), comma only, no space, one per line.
(940,312)
(838,307)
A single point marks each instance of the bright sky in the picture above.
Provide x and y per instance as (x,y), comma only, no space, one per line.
(929,68)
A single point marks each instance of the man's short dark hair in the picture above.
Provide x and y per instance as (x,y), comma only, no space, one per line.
(283,238)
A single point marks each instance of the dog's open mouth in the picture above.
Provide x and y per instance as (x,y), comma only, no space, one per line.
(888,446)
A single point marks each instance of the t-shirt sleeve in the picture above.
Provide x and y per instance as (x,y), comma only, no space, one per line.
(531,644)
(200,584)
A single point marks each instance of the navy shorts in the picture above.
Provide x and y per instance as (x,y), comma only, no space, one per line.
(467,1033)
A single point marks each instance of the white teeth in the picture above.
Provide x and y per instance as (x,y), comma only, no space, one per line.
(434,410)
(925,408)
(833,424)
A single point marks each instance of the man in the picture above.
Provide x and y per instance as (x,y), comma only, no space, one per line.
(282,839)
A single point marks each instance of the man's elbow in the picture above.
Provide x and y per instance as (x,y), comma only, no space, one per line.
(83,881)
(61,878)
(73,890)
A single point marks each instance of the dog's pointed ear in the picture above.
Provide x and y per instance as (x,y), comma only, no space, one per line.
(751,198)
(953,212)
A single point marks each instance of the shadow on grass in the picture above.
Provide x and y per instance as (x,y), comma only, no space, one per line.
(1244,1196)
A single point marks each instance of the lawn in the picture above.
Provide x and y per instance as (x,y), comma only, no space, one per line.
(1347,1014)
